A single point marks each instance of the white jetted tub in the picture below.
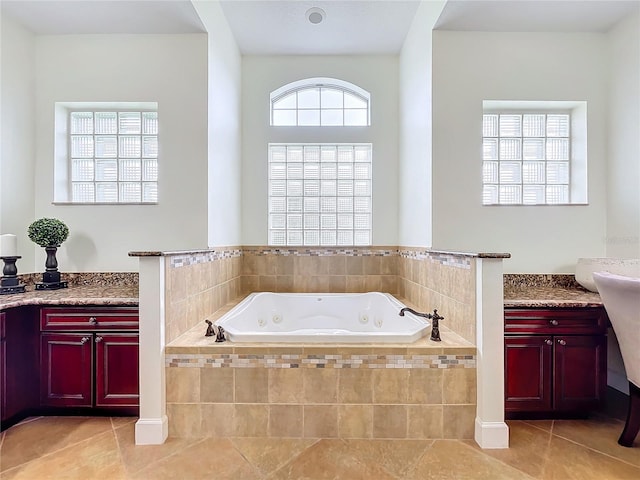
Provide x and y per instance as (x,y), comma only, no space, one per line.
(322,318)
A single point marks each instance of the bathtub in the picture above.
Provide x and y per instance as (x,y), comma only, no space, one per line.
(321,318)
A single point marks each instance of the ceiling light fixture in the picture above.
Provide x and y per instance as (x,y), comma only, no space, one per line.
(315,15)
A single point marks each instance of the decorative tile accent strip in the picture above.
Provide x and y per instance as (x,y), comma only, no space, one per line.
(234,360)
(461,260)
(178,261)
(451,260)
(322,252)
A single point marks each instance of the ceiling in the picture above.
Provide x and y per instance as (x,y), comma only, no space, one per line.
(280,27)
(535,15)
(350,26)
(62,17)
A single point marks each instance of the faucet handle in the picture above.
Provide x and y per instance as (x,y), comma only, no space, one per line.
(435,326)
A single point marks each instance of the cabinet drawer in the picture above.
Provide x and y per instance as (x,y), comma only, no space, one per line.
(89,318)
(555,321)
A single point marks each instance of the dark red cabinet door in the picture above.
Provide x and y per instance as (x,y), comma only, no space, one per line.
(528,373)
(3,369)
(67,369)
(117,369)
(580,370)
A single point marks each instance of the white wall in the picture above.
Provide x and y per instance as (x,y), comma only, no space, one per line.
(225,69)
(168,69)
(415,177)
(623,194)
(470,67)
(17,153)
(376,74)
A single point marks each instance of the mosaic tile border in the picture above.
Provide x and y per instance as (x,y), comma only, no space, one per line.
(177,261)
(234,360)
(450,260)
(321,252)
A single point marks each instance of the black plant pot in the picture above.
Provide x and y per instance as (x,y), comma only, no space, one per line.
(51,277)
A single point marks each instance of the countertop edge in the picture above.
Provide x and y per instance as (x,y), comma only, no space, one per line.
(72,301)
(552,304)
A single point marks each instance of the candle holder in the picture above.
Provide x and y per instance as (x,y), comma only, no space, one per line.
(51,277)
(9,282)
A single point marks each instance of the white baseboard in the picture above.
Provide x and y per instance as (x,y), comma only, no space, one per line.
(491,435)
(152,431)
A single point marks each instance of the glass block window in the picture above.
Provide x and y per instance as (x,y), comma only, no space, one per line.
(320,195)
(526,158)
(320,102)
(113,156)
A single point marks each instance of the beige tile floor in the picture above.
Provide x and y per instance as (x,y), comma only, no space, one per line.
(103,448)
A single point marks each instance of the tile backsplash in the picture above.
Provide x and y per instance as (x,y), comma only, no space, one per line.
(198,284)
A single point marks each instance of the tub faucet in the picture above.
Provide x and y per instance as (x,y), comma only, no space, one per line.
(435,324)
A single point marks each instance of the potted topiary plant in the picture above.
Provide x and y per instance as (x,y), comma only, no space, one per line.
(49,233)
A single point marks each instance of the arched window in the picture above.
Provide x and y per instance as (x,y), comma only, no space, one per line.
(320,102)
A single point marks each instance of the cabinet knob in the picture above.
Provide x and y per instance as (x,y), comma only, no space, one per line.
(84,340)
(99,339)
(93,320)
(561,341)
(548,341)
(553,322)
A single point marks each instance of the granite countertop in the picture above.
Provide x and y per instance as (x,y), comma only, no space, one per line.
(74,295)
(550,291)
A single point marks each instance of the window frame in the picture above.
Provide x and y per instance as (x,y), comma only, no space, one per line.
(287,213)
(577,147)
(319,83)
(63,165)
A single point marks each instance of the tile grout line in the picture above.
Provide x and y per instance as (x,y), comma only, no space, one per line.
(190,442)
(415,463)
(115,437)
(501,462)
(599,451)
(253,467)
(295,457)
(50,454)
(549,440)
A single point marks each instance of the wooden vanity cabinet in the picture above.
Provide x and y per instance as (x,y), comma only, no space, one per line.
(3,367)
(555,361)
(89,357)
(19,371)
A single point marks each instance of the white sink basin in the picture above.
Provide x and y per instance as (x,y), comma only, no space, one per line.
(629,267)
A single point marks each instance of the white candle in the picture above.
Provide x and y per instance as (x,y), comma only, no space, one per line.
(8,245)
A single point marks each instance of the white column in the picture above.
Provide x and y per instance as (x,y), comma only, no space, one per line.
(152,427)
(491,431)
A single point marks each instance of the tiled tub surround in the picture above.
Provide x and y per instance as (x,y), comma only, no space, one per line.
(419,391)
(199,284)
(443,281)
(315,270)
(192,286)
